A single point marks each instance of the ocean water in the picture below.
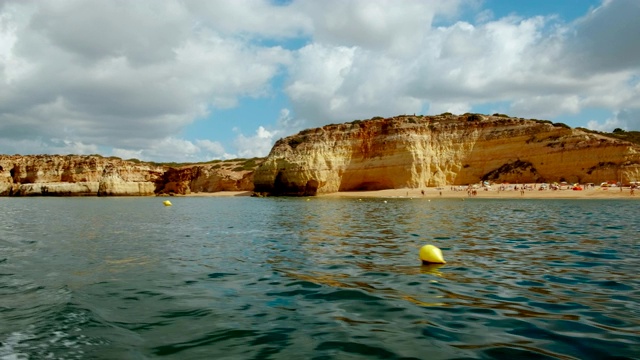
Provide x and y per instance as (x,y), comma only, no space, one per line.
(291,278)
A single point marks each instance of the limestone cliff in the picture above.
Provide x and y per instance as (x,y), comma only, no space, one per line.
(230,175)
(75,175)
(421,151)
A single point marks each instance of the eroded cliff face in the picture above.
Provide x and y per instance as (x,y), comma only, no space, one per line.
(236,175)
(75,175)
(422,151)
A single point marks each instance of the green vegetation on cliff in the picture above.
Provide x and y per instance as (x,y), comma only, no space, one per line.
(630,136)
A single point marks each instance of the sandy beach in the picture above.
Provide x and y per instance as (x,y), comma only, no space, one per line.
(448,193)
(219,194)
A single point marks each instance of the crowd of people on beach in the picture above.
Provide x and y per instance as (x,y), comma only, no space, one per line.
(472,189)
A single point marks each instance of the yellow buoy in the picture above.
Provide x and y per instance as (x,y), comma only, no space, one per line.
(430,254)
(167,203)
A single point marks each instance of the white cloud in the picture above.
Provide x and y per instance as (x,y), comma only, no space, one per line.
(73,147)
(605,39)
(528,62)
(386,25)
(449,69)
(630,118)
(128,154)
(144,32)
(454,108)
(13,68)
(546,107)
(171,149)
(343,84)
(212,147)
(48,146)
(251,18)
(120,74)
(608,125)
(260,143)
(133,76)
(257,145)
(626,119)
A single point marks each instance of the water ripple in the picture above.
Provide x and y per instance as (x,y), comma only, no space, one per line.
(320,279)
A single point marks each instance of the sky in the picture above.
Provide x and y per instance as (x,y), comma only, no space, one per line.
(197,80)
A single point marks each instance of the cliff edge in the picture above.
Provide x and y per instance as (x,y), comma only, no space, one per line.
(228,175)
(426,151)
(94,175)
(70,175)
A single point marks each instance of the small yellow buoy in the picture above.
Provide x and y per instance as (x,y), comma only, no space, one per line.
(167,203)
(430,254)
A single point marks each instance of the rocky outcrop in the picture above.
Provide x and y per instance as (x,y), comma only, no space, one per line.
(74,175)
(400,152)
(235,175)
(423,151)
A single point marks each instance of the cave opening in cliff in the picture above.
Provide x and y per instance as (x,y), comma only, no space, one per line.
(311,188)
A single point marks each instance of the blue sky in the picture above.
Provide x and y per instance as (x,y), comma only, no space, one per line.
(197,80)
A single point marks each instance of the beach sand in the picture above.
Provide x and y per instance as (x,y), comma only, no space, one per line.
(220,194)
(447,193)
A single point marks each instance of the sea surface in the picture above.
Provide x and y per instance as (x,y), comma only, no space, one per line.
(319,278)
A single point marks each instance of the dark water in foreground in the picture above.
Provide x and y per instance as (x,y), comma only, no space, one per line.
(246,278)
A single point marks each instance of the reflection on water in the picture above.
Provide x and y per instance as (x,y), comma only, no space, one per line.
(324,278)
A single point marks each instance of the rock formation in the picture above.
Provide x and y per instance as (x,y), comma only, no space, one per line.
(422,151)
(236,175)
(75,175)
(70,175)
(401,152)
